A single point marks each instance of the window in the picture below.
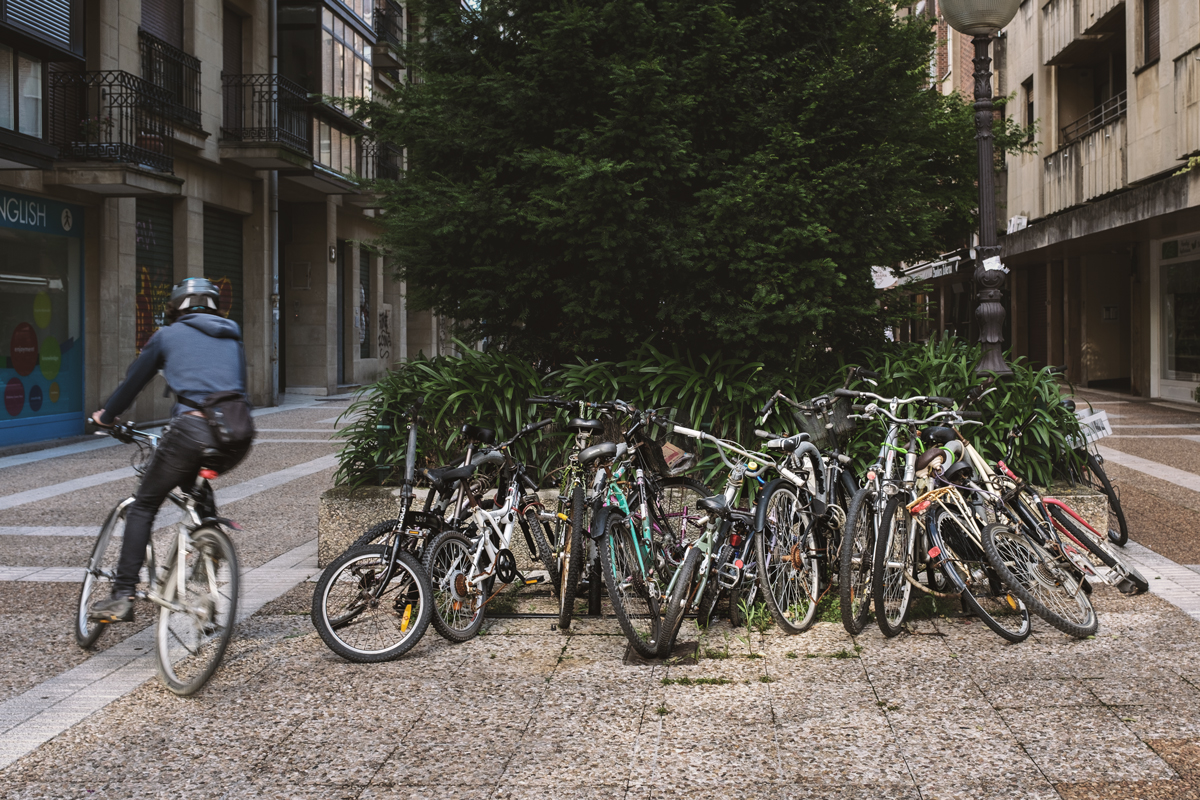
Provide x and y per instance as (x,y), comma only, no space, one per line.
(335,148)
(1030,117)
(346,71)
(1149,31)
(22,81)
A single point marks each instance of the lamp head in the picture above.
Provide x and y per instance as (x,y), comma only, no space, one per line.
(978,17)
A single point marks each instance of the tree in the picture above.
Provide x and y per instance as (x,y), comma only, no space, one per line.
(582,176)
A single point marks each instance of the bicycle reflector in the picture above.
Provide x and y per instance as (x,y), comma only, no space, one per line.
(919,507)
(935,551)
(871,475)
(208,474)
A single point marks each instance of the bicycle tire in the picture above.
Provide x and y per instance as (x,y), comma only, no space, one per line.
(1101,551)
(97,581)
(891,593)
(680,599)
(673,514)
(1040,582)
(982,593)
(786,573)
(448,564)
(362,627)
(857,561)
(541,540)
(1120,535)
(191,641)
(633,601)
(572,554)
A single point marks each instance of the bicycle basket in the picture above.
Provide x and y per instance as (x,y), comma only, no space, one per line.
(824,425)
(670,454)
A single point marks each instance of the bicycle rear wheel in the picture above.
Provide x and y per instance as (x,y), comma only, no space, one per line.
(679,601)
(1129,580)
(362,623)
(890,589)
(787,574)
(457,605)
(674,515)
(634,600)
(572,553)
(857,561)
(195,628)
(1046,585)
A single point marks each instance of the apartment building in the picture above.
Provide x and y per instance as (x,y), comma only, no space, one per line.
(144,141)
(1106,272)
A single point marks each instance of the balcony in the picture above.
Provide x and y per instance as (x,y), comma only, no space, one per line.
(113,130)
(1187,103)
(1102,160)
(389,31)
(374,161)
(1061,187)
(1074,31)
(1104,114)
(265,122)
(1092,162)
(176,73)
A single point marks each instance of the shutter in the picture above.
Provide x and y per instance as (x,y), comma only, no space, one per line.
(1150,10)
(50,19)
(223,259)
(364,303)
(231,43)
(155,266)
(164,19)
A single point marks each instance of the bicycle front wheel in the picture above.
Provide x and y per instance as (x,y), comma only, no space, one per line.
(1118,530)
(787,573)
(857,561)
(195,625)
(676,518)
(364,622)
(457,604)
(1047,586)
(1127,578)
(97,581)
(683,593)
(571,555)
(634,599)
(893,562)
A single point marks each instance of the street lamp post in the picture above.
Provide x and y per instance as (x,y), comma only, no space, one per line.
(981,19)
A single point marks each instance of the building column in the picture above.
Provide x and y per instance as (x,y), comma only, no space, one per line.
(258,307)
(188,225)
(118,291)
(331,296)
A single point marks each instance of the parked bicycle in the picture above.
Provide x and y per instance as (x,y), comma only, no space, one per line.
(195,589)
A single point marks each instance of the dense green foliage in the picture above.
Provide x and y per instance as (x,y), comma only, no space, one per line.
(724,394)
(719,175)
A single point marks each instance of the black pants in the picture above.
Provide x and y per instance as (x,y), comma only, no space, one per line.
(175,463)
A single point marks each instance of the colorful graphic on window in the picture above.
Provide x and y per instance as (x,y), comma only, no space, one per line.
(41,351)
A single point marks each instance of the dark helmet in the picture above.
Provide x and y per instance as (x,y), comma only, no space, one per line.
(195,294)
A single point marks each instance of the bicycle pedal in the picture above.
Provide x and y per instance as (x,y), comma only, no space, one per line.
(728,576)
(536,576)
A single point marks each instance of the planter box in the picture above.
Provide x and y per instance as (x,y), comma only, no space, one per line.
(1090,505)
(343,515)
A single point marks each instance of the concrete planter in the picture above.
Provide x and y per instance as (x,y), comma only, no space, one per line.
(344,514)
(1090,505)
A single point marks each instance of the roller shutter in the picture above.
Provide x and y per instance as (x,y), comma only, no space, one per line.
(49,19)
(364,303)
(164,19)
(155,265)
(223,259)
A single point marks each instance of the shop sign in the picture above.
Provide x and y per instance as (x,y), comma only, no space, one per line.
(40,215)
(1179,248)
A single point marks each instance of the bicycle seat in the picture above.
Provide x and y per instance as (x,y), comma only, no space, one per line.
(605,451)
(578,425)
(482,435)
(938,434)
(442,477)
(717,504)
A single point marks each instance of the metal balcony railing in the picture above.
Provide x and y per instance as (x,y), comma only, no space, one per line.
(111,116)
(389,22)
(266,108)
(176,73)
(377,161)
(1107,112)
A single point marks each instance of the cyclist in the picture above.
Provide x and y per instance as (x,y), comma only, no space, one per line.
(200,354)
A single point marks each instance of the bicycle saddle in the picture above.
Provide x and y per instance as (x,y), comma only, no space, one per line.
(475,433)
(959,472)
(717,504)
(442,477)
(938,434)
(602,451)
(578,425)
(951,452)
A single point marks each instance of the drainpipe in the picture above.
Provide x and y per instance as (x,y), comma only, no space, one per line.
(273,211)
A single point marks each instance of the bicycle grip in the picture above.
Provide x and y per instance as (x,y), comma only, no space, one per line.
(977,415)
(857,408)
(536,426)
(948,402)
(863,372)
(763,434)
(844,393)
(768,406)
(1057,370)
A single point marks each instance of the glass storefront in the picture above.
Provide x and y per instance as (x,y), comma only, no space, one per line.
(41,324)
(1179,287)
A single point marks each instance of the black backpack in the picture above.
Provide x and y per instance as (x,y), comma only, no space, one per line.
(228,415)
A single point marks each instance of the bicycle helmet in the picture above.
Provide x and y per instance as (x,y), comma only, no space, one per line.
(195,294)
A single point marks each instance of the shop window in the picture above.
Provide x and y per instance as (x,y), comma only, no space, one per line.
(1180,285)
(22,82)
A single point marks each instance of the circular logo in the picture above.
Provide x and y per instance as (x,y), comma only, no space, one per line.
(54,393)
(51,358)
(41,309)
(35,398)
(14,397)
(67,220)
(24,349)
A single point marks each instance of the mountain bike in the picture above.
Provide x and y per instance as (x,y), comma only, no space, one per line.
(464,564)
(196,588)
(374,602)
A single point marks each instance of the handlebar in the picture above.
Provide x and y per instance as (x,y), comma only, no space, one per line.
(846,393)
(975,415)
(125,432)
(722,445)
(1057,370)
(769,405)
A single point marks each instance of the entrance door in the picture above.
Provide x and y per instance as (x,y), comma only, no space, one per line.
(341,313)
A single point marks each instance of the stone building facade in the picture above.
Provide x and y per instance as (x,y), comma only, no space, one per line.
(145,141)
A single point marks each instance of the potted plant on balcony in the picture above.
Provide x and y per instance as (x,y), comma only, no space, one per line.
(94,129)
(150,141)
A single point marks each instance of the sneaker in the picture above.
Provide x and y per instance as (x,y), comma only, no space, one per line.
(115,609)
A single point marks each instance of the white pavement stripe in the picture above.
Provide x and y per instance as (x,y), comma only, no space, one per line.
(55,452)
(1162,425)
(38,530)
(1178,477)
(294,430)
(46,492)
(257,442)
(240,491)
(54,706)
(1173,582)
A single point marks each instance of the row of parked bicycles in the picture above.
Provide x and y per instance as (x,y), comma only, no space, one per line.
(793,523)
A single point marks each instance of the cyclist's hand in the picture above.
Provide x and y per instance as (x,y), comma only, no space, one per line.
(96,415)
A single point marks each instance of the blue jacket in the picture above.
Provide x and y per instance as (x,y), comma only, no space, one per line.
(198,355)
